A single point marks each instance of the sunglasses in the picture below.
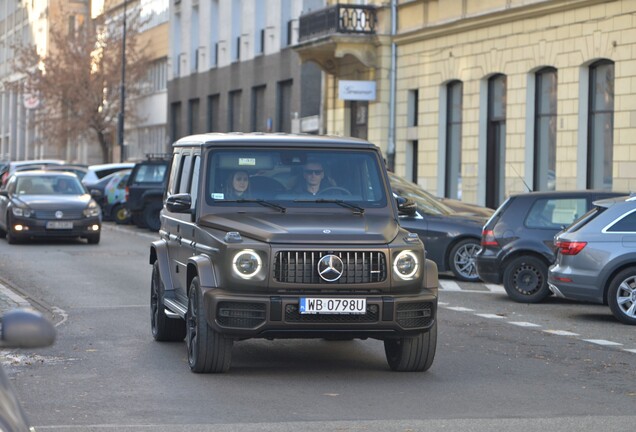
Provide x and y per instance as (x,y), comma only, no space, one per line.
(314,172)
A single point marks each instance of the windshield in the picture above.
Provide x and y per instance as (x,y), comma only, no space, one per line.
(295,178)
(49,185)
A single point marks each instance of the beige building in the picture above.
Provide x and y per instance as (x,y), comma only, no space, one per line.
(493,95)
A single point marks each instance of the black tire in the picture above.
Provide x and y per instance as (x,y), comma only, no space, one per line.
(137,218)
(621,296)
(208,350)
(526,279)
(9,236)
(412,354)
(93,238)
(461,260)
(3,233)
(120,214)
(164,329)
(151,216)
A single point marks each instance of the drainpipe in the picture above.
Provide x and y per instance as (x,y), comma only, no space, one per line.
(390,155)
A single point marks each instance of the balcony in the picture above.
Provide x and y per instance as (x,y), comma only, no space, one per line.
(328,35)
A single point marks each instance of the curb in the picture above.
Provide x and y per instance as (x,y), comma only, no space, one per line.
(10,300)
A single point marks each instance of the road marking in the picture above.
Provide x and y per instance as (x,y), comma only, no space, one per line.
(460,309)
(561,333)
(633,351)
(449,285)
(491,316)
(602,342)
(496,288)
(524,324)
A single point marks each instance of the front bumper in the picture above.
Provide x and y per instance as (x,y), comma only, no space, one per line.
(37,228)
(277,316)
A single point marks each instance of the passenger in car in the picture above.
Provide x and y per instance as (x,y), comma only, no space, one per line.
(238,185)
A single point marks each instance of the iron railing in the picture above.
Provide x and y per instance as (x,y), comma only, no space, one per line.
(356,19)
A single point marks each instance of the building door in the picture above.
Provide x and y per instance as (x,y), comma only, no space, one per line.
(359,119)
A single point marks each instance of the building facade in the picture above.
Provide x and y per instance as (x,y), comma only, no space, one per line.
(493,97)
(232,68)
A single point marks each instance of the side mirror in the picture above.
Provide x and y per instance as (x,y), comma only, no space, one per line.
(179,203)
(96,193)
(406,206)
(24,328)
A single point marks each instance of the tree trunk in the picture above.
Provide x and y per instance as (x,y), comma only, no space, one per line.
(105,147)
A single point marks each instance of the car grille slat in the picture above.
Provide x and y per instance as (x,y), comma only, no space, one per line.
(50,214)
(301,267)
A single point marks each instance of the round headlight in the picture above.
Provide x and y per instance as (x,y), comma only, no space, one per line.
(246,263)
(406,264)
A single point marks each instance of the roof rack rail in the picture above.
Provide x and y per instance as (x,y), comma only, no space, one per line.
(158,156)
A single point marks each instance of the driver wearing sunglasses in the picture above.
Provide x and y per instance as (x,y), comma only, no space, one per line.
(313,174)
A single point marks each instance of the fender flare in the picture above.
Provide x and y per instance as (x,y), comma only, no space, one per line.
(159,253)
(201,265)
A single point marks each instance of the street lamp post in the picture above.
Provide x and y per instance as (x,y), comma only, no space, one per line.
(122,93)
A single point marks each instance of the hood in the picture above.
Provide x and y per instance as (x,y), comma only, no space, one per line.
(302,228)
(55,202)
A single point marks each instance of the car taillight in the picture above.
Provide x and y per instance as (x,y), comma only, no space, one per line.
(127,192)
(488,238)
(569,248)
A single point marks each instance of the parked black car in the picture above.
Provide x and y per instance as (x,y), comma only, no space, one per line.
(452,238)
(21,328)
(45,204)
(517,243)
(145,188)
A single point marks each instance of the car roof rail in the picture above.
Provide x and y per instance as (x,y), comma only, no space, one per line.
(158,156)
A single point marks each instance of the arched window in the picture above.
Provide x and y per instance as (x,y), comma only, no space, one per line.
(600,134)
(452,182)
(545,121)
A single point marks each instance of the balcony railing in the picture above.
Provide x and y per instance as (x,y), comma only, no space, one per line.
(356,19)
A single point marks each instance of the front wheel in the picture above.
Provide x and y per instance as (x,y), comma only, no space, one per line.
(120,214)
(526,279)
(462,260)
(413,353)
(208,350)
(621,296)
(151,216)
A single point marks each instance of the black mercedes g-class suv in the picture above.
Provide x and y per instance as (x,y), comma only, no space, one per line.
(288,236)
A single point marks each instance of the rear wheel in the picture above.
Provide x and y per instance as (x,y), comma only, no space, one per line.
(526,279)
(164,329)
(412,354)
(621,296)
(120,214)
(208,350)
(151,216)
(462,260)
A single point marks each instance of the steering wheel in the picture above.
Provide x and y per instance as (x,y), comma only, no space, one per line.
(332,189)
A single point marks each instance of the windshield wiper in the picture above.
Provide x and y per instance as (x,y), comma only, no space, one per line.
(356,209)
(261,202)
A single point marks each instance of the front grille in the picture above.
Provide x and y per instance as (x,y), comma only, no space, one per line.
(301,267)
(293,315)
(50,214)
(414,315)
(240,314)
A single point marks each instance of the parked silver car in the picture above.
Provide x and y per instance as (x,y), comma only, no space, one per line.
(596,260)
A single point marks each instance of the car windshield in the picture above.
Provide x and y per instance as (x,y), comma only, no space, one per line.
(295,178)
(49,185)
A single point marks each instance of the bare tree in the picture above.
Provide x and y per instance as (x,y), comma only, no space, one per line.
(78,80)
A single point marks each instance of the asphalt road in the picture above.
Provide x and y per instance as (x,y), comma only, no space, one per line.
(556,366)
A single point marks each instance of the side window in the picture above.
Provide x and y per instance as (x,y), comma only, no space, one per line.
(194,188)
(186,167)
(555,213)
(173,173)
(626,224)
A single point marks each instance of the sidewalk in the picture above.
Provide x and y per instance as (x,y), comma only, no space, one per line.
(10,300)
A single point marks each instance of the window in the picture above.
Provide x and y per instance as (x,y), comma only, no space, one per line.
(555,213)
(259,120)
(412,110)
(625,224)
(213,31)
(259,28)
(194,40)
(175,121)
(193,116)
(453,171)
(284,106)
(213,113)
(600,138)
(545,119)
(184,180)
(496,141)
(234,111)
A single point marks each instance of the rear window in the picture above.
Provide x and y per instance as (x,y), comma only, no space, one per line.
(555,213)
(150,173)
(588,217)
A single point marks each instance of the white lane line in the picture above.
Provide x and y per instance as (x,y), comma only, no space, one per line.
(602,342)
(524,324)
(633,351)
(460,309)
(495,288)
(561,333)
(491,316)
(449,285)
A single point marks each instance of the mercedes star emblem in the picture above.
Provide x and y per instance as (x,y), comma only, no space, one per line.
(330,268)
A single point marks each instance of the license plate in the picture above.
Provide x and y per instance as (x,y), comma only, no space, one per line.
(309,305)
(59,225)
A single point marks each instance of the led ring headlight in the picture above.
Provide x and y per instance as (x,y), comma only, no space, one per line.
(246,263)
(406,264)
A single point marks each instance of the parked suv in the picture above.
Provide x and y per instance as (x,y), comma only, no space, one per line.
(145,189)
(247,250)
(517,244)
(596,259)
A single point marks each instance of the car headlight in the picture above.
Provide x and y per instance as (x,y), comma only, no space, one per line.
(406,265)
(92,210)
(22,211)
(246,263)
